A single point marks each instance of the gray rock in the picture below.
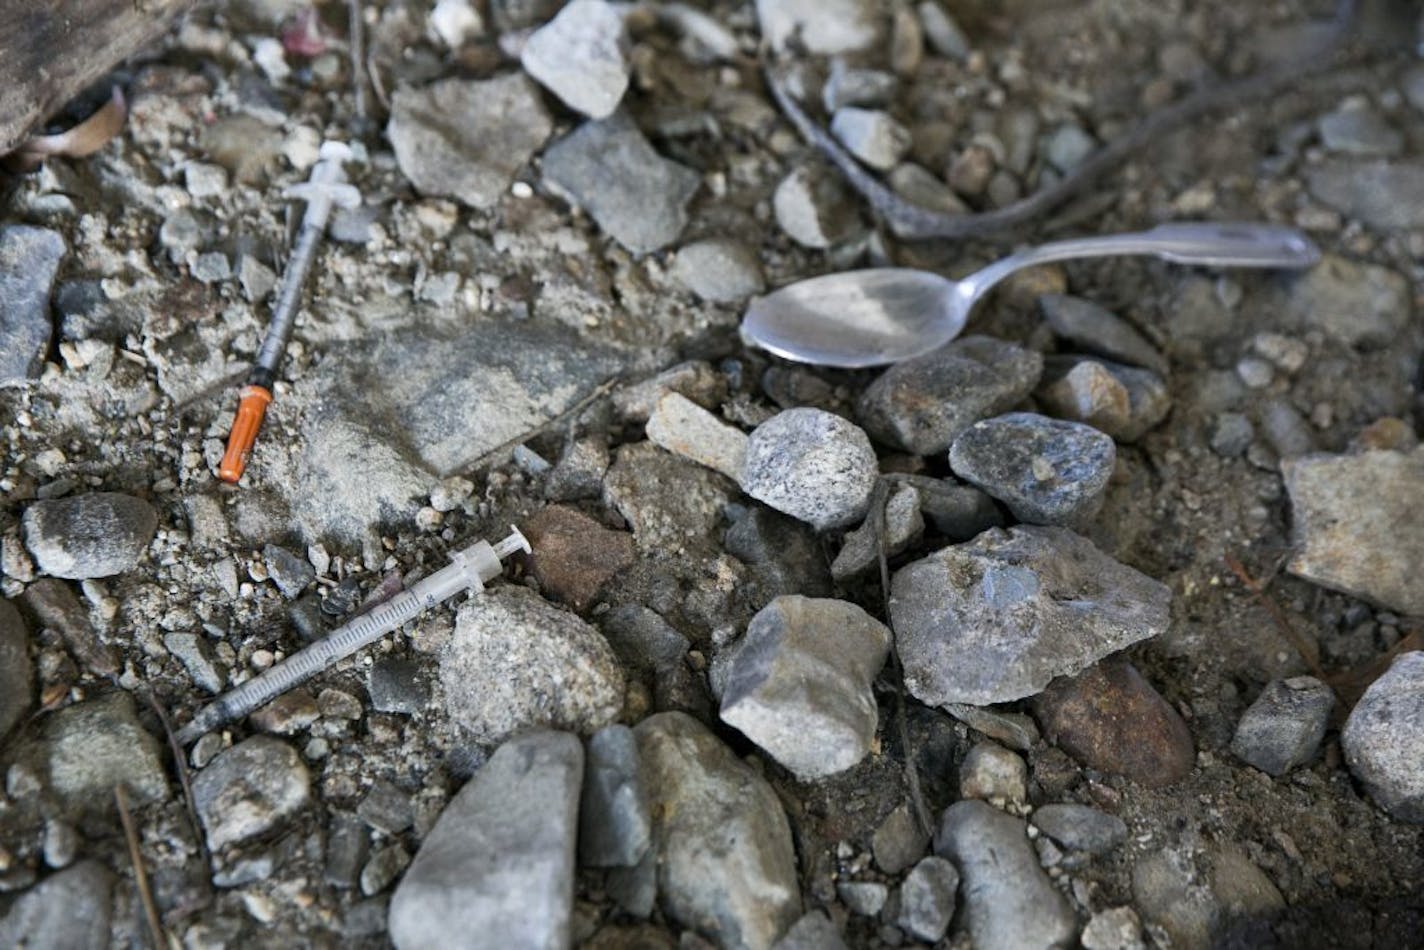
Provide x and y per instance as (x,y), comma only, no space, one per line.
(579,471)
(1117,928)
(250,789)
(608,168)
(1080,828)
(70,909)
(517,661)
(798,683)
(498,867)
(1097,330)
(636,888)
(17,673)
(197,657)
(1283,727)
(820,26)
(1048,471)
(347,844)
(1167,892)
(51,604)
(95,535)
(29,261)
(959,512)
(719,269)
(653,652)
(920,186)
(726,865)
(1357,305)
(61,843)
(811,465)
(856,87)
(992,772)
(871,135)
(784,554)
(944,35)
(386,807)
(1357,129)
(1068,146)
(1015,730)
(923,404)
(863,897)
(397,686)
(684,428)
(466,139)
(1286,430)
(1356,526)
(383,868)
(927,899)
(1009,899)
(899,841)
(1384,739)
(1232,434)
(667,501)
(813,208)
(1148,400)
(903,525)
(211,268)
(1382,194)
(580,56)
(289,572)
(814,931)
(995,619)
(615,829)
(92,746)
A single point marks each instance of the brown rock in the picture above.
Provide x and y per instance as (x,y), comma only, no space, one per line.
(287,714)
(1111,719)
(574,556)
(52,604)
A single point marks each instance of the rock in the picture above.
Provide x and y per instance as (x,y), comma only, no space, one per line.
(197,657)
(94,745)
(346,846)
(856,87)
(959,512)
(575,556)
(84,536)
(1244,890)
(695,379)
(927,899)
(17,673)
(1097,330)
(1355,128)
(397,686)
(725,862)
(719,270)
(667,501)
(813,208)
(1356,527)
(250,789)
(784,555)
(383,868)
(815,931)
(799,683)
(944,35)
(1166,891)
(466,139)
(1015,730)
(1116,928)
(811,465)
(29,261)
(899,841)
(288,714)
(1111,719)
(1048,471)
(1089,394)
(580,57)
(863,897)
(684,428)
(1232,435)
(291,574)
(1148,400)
(51,604)
(608,168)
(1284,726)
(579,472)
(920,186)
(614,826)
(1357,305)
(515,661)
(923,404)
(656,654)
(990,771)
(871,135)
(387,808)
(1080,828)
(390,412)
(68,909)
(1068,146)
(1009,900)
(903,525)
(819,26)
(1384,739)
(1382,194)
(499,862)
(995,619)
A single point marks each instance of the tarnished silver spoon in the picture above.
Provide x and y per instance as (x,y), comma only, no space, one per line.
(888,314)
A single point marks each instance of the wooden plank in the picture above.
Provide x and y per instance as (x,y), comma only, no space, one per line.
(52,50)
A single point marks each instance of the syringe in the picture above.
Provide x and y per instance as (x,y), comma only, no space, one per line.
(468,570)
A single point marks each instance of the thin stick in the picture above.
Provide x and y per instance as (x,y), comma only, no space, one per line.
(184,780)
(150,911)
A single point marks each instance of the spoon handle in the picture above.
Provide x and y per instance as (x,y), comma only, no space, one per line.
(1204,243)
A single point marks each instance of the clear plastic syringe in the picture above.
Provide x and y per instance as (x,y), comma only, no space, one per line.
(468,570)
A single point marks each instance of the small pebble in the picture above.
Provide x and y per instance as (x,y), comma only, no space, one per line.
(811,465)
(992,772)
(1283,728)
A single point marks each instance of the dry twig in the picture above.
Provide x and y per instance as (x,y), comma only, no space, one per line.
(150,910)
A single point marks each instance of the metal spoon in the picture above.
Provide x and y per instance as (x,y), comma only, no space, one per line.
(888,314)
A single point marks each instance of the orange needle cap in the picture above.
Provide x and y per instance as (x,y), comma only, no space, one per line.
(251,408)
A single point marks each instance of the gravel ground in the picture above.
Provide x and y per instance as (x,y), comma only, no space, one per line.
(1140,677)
